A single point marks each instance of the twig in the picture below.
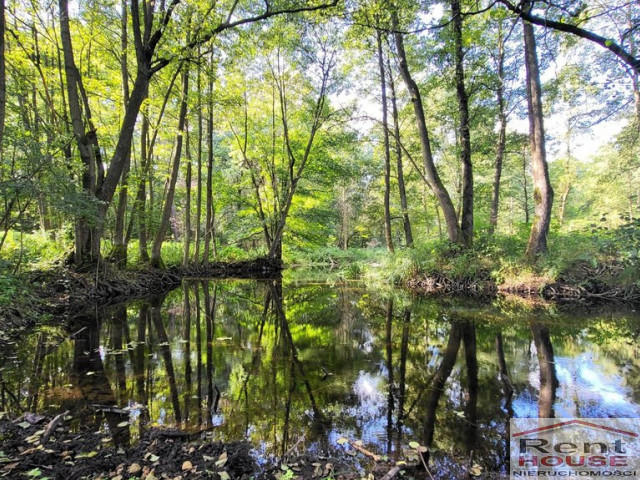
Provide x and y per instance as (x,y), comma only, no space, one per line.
(293,447)
(361,449)
(424,464)
(53,424)
(392,473)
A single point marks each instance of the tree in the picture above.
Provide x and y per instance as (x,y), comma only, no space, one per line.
(150,26)
(431,173)
(543,192)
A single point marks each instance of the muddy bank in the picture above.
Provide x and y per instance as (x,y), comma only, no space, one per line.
(586,290)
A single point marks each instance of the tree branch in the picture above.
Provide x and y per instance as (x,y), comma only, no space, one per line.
(606,43)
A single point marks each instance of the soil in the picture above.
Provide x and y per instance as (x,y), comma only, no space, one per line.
(81,453)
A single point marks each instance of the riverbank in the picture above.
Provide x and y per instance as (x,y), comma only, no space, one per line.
(61,292)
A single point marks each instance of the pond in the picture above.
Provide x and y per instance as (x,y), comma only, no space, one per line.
(296,366)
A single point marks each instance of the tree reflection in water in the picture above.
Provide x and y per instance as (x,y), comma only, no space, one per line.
(302,364)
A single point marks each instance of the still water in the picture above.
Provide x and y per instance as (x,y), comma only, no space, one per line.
(294,367)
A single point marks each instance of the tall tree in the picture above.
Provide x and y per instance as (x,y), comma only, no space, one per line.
(435,182)
(543,192)
(387,151)
(406,223)
(466,217)
(176,156)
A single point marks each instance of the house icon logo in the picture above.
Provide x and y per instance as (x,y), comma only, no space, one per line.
(573,448)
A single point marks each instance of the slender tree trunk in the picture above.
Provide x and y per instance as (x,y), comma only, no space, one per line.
(543,192)
(209,220)
(466,217)
(502,137)
(408,233)
(563,202)
(198,235)
(87,238)
(156,250)
(187,207)
(525,187)
(387,153)
(120,241)
(3,79)
(449,211)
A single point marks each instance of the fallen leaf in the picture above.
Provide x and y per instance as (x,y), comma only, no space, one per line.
(134,469)
(222,459)
(122,424)
(342,441)
(475,470)
(224,476)
(24,424)
(187,465)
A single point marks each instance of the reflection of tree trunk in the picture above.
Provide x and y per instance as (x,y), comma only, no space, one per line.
(138,364)
(186,336)
(389,348)
(88,374)
(440,378)
(404,349)
(209,317)
(34,391)
(471,407)
(165,351)
(198,352)
(118,322)
(503,372)
(548,378)
(319,425)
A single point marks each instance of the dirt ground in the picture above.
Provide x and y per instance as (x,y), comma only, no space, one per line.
(30,449)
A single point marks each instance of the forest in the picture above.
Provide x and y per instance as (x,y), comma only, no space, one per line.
(458,136)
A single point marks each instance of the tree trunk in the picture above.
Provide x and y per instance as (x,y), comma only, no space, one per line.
(3,79)
(543,193)
(198,235)
(120,241)
(87,243)
(208,227)
(563,202)
(156,250)
(406,223)
(387,153)
(187,207)
(449,211)
(466,217)
(502,137)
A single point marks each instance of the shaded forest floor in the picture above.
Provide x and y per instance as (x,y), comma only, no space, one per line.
(45,448)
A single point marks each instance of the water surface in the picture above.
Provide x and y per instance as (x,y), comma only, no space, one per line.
(294,367)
